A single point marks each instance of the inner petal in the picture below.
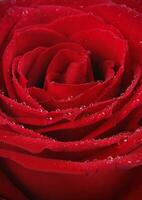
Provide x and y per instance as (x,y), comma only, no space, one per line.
(69,67)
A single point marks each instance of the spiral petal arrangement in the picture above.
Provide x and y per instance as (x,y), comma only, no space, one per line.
(71,100)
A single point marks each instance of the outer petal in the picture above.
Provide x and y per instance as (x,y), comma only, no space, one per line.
(128,21)
(81,180)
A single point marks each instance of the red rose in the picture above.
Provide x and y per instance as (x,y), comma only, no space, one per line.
(71,100)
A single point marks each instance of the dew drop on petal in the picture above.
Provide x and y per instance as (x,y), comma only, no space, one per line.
(125,140)
(109,159)
(52,82)
(118,157)
(57,110)
(49,118)
(129,162)
(41,110)
(25,12)
(138,130)
(82,107)
(68,114)
(103,113)
(70,98)
(22,126)
(138,100)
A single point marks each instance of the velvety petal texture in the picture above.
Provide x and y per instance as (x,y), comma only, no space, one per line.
(71,99)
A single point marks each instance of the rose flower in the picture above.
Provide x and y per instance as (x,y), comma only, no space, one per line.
(71,100)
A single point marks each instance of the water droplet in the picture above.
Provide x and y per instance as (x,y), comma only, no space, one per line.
(125,140)
(52,82)
(118,157)
(41,110)
(103,113)
(129,162)
(140,41)
(57,110)
(70,98)
(50,118)
(68,114)
(82,107)
(109,159)
(137,100)
(25,12)
(94,140)
(138,130)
